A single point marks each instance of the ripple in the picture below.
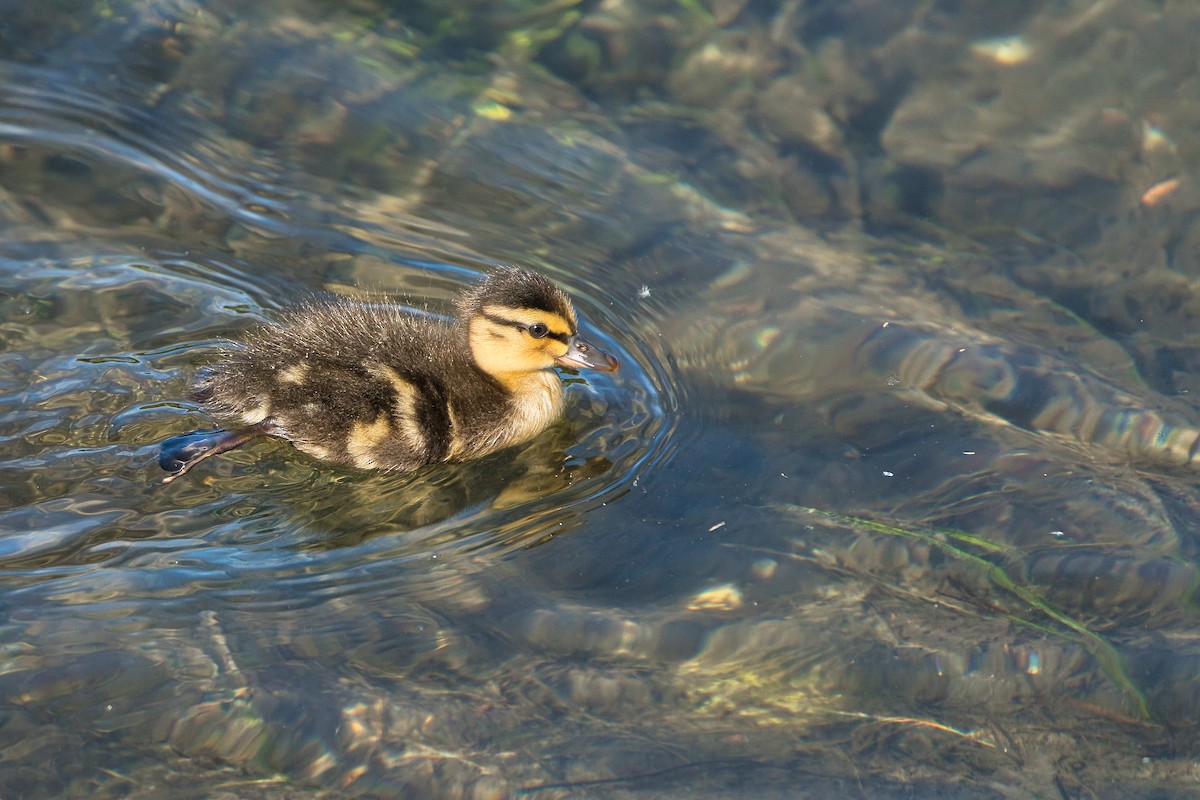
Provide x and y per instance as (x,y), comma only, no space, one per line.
(118,338)
(617,429)
(165,314)
(40,108)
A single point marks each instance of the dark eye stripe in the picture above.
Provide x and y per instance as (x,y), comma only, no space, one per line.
(558,337)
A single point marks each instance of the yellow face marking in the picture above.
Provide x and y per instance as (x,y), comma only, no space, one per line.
(364,438)
(504,347)
(297,373)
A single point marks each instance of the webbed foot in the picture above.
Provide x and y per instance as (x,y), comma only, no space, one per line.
(179,454)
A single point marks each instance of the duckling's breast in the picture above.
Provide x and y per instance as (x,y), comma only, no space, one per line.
(531,404)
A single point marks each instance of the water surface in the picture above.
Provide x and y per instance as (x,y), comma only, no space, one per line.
(893,492)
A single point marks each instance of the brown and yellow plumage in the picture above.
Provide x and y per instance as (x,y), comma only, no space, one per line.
(374,387)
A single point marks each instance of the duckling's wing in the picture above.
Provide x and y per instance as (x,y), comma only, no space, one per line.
(359,384)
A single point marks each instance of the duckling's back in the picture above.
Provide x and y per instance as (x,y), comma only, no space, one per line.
(360,384)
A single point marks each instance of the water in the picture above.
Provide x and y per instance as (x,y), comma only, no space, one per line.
(869,504)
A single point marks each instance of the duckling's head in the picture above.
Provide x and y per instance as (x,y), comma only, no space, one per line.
(518,323)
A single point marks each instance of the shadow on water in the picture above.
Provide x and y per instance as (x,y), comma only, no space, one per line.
(871,516)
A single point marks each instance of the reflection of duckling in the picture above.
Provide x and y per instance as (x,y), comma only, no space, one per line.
(374,387)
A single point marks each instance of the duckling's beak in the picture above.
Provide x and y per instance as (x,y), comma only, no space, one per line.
(584,355)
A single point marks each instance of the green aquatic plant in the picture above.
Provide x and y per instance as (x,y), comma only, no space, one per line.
(958,545)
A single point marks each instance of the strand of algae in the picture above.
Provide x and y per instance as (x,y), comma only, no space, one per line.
(1112,664)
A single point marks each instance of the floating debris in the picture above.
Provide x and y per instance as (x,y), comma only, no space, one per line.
(1159,192)
(720,598)
(1007,51)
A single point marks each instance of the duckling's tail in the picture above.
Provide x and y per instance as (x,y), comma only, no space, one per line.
(179,454)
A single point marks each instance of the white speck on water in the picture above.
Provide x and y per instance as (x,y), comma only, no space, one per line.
(644,291)
(718,526)
(887,474)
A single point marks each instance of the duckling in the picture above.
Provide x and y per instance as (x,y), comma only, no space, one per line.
(373,387)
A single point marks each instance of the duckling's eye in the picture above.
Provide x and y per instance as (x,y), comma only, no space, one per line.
(538,331)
